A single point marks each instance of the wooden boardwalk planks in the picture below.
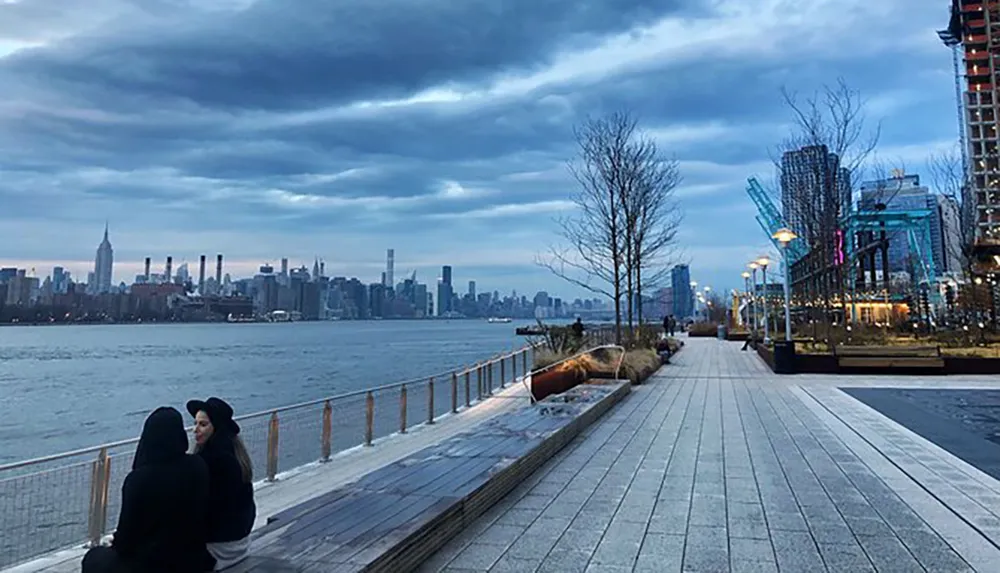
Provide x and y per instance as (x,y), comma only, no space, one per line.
(393,518)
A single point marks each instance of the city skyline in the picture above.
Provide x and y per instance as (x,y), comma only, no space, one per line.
(458,155)
(104,273)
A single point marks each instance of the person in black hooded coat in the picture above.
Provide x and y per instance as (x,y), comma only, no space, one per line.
(161,527)
(231,507)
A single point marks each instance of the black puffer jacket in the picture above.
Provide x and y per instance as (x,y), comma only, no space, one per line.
(164,501)
(231,508)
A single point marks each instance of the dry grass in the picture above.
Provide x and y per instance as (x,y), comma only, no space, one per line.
(637,365)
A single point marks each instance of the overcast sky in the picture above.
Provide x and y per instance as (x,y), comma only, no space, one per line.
(441,128)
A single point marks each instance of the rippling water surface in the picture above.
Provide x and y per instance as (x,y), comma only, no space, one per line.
(67,387)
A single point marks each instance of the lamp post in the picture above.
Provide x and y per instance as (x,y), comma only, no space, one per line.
(708,317)
(694,300)
(753,295)
(763,262)
(785,236)
(746,286)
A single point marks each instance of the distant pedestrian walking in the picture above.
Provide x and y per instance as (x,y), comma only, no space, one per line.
(673,325)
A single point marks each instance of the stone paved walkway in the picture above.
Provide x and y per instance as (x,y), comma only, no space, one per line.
(718,465)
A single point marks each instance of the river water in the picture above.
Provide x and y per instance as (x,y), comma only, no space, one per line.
(67,387)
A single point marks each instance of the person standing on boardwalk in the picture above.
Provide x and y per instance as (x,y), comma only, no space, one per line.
(161,527)
(578,331)
(231,507)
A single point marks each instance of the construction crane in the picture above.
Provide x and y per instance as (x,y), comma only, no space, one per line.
(769,218)
(954,42)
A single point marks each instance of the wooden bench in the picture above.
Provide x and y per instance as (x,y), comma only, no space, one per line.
(884,357)
(396,517)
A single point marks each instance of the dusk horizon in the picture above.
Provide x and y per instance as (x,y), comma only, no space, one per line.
(263,130)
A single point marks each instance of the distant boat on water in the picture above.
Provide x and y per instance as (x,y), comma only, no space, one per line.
(497,320)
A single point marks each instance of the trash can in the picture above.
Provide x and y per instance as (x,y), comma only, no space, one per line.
(721,332)
(784,357)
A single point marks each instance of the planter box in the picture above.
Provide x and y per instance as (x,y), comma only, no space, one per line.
(554,382)
(971,365)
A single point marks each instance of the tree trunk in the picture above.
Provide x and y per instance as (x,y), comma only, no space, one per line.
(629,256)
(638,292)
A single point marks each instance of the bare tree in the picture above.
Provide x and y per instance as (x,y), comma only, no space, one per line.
(625,219)
(829,149)
(653,219)
(949,177)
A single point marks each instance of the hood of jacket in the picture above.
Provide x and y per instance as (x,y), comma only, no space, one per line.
(163,438)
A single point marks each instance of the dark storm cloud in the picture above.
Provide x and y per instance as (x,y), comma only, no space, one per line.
(288,54)
(265,130)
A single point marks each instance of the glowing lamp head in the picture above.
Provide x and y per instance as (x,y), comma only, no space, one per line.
(784,236)
(763,262)
(745,274)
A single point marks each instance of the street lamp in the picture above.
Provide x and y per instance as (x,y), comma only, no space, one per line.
(694,299)
(708,317)
(753,266)
(785,236)
(763,262)
(746,286)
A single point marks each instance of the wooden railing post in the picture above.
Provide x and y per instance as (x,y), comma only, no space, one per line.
(468,388)
(489,378)
(430,400)
(513,368)
(479,382)
(100,480)
(369,418)
(327,441)
(402,409)
(524,362)
(272,447)
(454,392)
(503,367)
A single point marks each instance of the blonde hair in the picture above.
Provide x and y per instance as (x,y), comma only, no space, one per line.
(243,457)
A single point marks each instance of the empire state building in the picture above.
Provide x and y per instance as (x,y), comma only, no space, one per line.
(103,264)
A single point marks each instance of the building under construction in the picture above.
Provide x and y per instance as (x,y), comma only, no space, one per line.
(973,33)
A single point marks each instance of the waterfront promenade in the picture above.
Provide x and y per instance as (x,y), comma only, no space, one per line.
(718,465)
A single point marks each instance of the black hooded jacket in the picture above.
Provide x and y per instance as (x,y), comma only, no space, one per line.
(161,527)
(231,508)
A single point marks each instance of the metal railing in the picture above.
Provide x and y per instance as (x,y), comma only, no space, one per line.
(69,499)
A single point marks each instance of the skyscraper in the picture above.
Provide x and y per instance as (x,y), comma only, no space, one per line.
(951,234)
(445,292)
(472,289)
(815,190)
(390,263)
(905,194)
(680,285)
(974,29)
(103,265)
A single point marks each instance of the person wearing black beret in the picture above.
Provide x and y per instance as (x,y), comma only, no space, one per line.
(231,508)
(161,526)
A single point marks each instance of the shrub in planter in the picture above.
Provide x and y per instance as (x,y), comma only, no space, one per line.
(703,329)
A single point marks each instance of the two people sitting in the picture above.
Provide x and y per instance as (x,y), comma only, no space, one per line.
(180,512)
